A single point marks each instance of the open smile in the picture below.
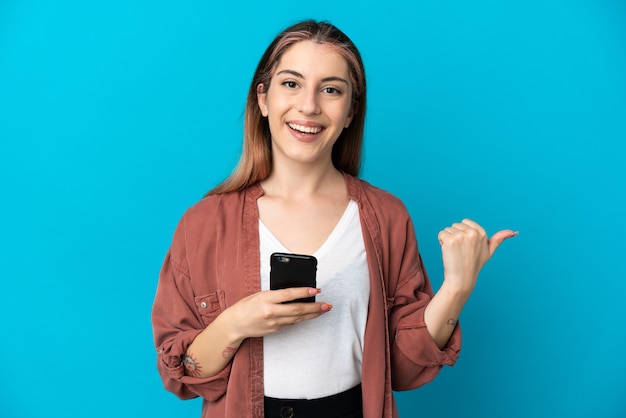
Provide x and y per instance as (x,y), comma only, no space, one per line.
(310,130)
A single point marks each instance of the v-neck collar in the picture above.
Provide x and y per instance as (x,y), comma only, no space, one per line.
(351,209)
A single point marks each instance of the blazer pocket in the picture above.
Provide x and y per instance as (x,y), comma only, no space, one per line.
(210,306)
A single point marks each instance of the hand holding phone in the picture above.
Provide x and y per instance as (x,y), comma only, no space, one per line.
(293,270)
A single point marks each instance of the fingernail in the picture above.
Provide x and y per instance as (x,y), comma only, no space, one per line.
(514,234)
(314,292)
(326,307)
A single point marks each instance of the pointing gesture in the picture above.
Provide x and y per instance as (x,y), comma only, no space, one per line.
(465,248)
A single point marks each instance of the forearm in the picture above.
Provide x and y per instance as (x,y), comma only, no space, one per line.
(256,315)
(211,350)
(442,313)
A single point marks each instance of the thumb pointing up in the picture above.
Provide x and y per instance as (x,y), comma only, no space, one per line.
(498,238)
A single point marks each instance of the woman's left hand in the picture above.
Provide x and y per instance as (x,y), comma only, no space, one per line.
(465,248)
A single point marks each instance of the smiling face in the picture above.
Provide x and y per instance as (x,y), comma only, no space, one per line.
(308,103)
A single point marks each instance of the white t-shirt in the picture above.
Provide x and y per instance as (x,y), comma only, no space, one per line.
(322,356)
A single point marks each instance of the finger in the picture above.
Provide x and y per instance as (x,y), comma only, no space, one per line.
(461,227)
(444,234)
(292,320)
(292,293)
(447,233)
(498,238)
(454,229)
(441,236)
(474,225)
(451,230)
(291,312)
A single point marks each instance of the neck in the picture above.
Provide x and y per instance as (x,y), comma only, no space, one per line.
(298,180)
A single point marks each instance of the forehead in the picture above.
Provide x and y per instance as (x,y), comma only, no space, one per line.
(310,57)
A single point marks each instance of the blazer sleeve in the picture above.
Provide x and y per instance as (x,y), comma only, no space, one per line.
(176,322)
(415,358)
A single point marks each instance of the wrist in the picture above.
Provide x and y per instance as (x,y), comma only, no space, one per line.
(231,335)
(456,290)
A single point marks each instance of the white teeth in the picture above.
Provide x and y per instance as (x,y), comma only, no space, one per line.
(305,129)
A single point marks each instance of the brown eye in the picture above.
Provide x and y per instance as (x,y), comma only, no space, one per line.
(331,90)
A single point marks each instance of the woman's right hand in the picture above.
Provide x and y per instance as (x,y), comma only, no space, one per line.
(264,312)
(253,316)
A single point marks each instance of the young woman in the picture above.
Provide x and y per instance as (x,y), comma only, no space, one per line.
(376,325)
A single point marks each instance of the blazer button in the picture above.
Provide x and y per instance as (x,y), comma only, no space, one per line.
(203,305)
(286,412)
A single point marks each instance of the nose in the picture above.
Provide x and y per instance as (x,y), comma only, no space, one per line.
(309,103)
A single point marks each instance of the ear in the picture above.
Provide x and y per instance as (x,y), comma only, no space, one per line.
(261,95)
(351,114)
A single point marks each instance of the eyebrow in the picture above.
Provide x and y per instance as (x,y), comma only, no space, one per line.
(324,80)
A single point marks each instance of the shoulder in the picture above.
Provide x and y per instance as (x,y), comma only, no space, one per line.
(380,200)
(209,216)
(214,207)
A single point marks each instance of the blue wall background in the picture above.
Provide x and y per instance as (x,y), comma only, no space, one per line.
(115,116)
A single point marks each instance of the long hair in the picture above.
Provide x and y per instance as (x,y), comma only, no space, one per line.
(255,163)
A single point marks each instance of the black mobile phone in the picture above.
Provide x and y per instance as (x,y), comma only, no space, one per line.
(293,270)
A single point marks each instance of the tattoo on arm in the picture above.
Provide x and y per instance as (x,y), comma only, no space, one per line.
(192,367)
(229,352)
(452,322)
